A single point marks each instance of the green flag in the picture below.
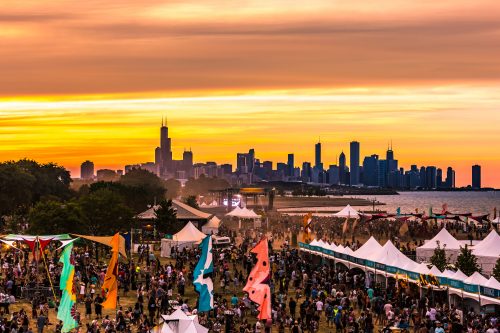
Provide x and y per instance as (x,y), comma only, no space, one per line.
(67,306)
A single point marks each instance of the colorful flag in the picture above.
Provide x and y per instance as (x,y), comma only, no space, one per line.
(110,285)
(423,280)
(202,281)
(257,285)
(398,211)
(345,227)
(67,307)
(403,229)
(307,227)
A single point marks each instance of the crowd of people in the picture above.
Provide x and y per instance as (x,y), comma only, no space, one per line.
(308,294)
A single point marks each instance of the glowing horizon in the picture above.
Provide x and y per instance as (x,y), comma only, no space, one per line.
(91,80)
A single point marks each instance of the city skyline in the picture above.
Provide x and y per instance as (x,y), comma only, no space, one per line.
(89,80)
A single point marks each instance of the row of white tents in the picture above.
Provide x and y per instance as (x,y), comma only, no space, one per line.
(387,260)
(487,251)
(243,213)
(179,322)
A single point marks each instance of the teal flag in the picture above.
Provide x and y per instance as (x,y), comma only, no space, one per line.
(67,307)
(201,276)
(398,211)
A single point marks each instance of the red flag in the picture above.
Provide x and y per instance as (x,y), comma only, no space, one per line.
(257,288)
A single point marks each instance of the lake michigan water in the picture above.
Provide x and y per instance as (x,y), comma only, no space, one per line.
(458,202)
(476,203)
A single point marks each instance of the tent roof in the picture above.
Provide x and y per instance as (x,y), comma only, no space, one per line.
(176,315)
(347,211)
(184,212)
(493,283)
(348,250)
(368,248)
(214,222)
(422,269)
(497,220)
(332,246)
(489,246)
(234,212)
(459,275)
(444,238)
(448,273)
(435,271)
(389,255)
(476,278)
(314,242)
(189,234)
(322,244)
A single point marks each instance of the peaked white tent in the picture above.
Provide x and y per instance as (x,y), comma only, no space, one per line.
(235,212)
(435,271)
(488,252)
(476,279)
(214,204)
(189,236)
(368,249)
(179,322)
(445,240)
(314,242)
(347,211)
(493,283)
(212,226)
(459,275)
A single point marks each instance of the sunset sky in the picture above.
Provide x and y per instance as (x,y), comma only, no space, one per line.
(91,80)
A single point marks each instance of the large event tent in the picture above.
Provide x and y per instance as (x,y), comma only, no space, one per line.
(445,240)
(488,252)
(347,211)
(367,249)
(187,237)
(212,226)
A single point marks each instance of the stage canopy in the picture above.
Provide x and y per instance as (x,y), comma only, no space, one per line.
(212,226)
(446,241)
(347,211)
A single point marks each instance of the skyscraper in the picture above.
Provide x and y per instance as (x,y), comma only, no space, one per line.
(450,178)
(187,161)
(439,178)
(354,166)
(165,150)
(317,155)
(290,165)
(87,170)
(370,171)
(342,169)
(476,176)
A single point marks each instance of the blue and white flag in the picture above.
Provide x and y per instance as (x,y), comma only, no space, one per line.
(202,280)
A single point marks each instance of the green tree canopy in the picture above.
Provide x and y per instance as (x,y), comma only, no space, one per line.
(173,187)
(148,185)
(104,212)
(203,185)
(496,270)
(467,262)
(166,218)
(438,258)
(51,217)
(15,188)
(191,201)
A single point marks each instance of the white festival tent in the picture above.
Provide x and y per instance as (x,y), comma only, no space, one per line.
(179,322)
(189,236)
(368,249)
(445,240)
(487,252)
(212,226)
(235,212)
(347,211)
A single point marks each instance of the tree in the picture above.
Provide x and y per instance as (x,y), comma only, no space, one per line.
(496,270)
(173,187)
(438,259)
(191,201)
(467,262)
(203,185)
(15,188)
(105,213)
(146,187)
(51,217)
(166,218)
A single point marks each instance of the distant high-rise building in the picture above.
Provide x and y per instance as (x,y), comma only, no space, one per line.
(439,178)
(165,150)
(268,168)
(342,169)
(227,168)
(306,172)
(87,170)
(158,157)
(370,171)
(241,163)
(431,180)
(354,166)
(290,165)
(389,155)
(317,156)
(251,160)
(450,178)
(423,177)
(333,175)
(382,173)
(476,176)
(187,161)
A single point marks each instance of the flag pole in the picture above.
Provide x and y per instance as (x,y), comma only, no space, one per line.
(47,269)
